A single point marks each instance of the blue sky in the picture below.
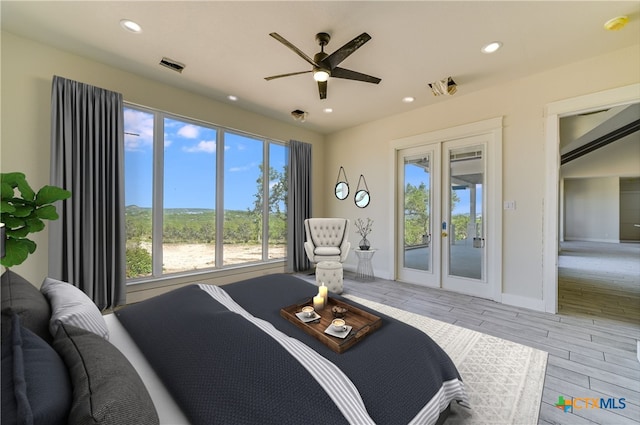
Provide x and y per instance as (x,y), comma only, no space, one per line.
(190,153)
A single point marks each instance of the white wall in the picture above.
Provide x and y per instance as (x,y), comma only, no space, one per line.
(365,149)
(27,71)
(630,209)
(584,187)
(592,209)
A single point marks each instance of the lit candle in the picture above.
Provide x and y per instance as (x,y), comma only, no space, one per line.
(322,292)
(318,303)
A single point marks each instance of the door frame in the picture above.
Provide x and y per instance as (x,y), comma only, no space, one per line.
(553,112)
(492,127)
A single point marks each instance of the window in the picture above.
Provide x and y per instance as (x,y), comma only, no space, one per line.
(179,175)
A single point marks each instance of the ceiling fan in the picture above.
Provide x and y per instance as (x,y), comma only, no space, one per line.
(325,65)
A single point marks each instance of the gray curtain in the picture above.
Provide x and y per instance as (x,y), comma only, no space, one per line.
(299,204)
(86,245)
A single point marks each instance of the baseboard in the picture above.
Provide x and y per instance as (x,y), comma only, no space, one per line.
(524,302)
(569,239)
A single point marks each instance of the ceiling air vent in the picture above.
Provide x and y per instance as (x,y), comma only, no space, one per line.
(171,64)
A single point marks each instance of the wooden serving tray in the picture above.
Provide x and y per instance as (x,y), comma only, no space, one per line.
(363,323)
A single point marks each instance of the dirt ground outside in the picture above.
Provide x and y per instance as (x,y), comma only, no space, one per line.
(182,257)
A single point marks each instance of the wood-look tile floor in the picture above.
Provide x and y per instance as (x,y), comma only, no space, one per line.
(592,342)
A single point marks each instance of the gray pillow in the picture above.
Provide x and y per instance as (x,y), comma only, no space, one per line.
(20,297)
(72,306)
(107,390)
(35,384)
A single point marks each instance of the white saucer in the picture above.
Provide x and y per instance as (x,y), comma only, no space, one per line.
(338,334)
(306,319)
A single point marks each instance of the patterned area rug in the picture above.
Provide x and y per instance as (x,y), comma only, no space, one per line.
(504,380)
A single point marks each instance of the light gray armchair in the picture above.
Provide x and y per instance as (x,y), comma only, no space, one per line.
(327,239)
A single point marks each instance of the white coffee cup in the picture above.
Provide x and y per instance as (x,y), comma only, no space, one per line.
(307,310)
(339,325)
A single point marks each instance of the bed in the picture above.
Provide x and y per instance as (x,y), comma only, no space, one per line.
(204,354)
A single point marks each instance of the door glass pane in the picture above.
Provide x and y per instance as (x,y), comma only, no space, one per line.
(138,196)
(189,214)
(417,213)
(466,240)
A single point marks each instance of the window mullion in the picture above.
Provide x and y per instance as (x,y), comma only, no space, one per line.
(219,198)
(158,193)
(265,204)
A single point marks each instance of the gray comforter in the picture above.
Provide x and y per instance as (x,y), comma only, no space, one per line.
(222,368)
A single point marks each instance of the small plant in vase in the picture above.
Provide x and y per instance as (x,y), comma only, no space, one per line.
(363,229)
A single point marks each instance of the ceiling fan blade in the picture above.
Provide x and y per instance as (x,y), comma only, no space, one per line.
(342,53)
(322,89)
(273,77)
(294,48)
(348,74)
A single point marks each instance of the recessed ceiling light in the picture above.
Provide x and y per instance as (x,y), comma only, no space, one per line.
(491,47)
(129,25)
(617,23)
(232,98)
(327,110)
(408,99)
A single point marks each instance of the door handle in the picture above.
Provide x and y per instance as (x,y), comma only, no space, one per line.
(445,234)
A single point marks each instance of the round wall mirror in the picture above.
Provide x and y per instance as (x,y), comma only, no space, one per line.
(342,190)
(362,198)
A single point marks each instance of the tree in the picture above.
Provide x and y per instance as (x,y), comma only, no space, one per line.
(138,262)
(416,212)
(278,190)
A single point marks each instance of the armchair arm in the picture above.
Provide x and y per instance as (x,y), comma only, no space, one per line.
(308,248)
(344,251)
(345,245)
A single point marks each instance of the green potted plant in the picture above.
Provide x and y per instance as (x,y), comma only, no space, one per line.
(22,211)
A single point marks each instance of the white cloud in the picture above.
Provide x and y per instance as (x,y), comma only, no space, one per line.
(138,131)
(206,146)
(189,131)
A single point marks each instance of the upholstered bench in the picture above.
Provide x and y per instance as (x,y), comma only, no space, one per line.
(330,273)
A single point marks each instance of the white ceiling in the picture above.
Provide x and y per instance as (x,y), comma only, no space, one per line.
(227,48)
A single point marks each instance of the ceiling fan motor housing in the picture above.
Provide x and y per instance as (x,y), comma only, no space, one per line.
(323,38)
(318,58)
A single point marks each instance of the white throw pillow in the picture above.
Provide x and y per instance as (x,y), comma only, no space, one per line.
(70,305)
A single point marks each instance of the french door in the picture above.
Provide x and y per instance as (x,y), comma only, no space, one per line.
(442,214)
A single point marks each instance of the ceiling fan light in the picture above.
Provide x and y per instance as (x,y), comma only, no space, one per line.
(320,75)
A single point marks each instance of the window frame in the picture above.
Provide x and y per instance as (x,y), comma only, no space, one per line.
(157,203)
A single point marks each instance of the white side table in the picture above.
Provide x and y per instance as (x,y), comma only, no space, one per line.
(364,271)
